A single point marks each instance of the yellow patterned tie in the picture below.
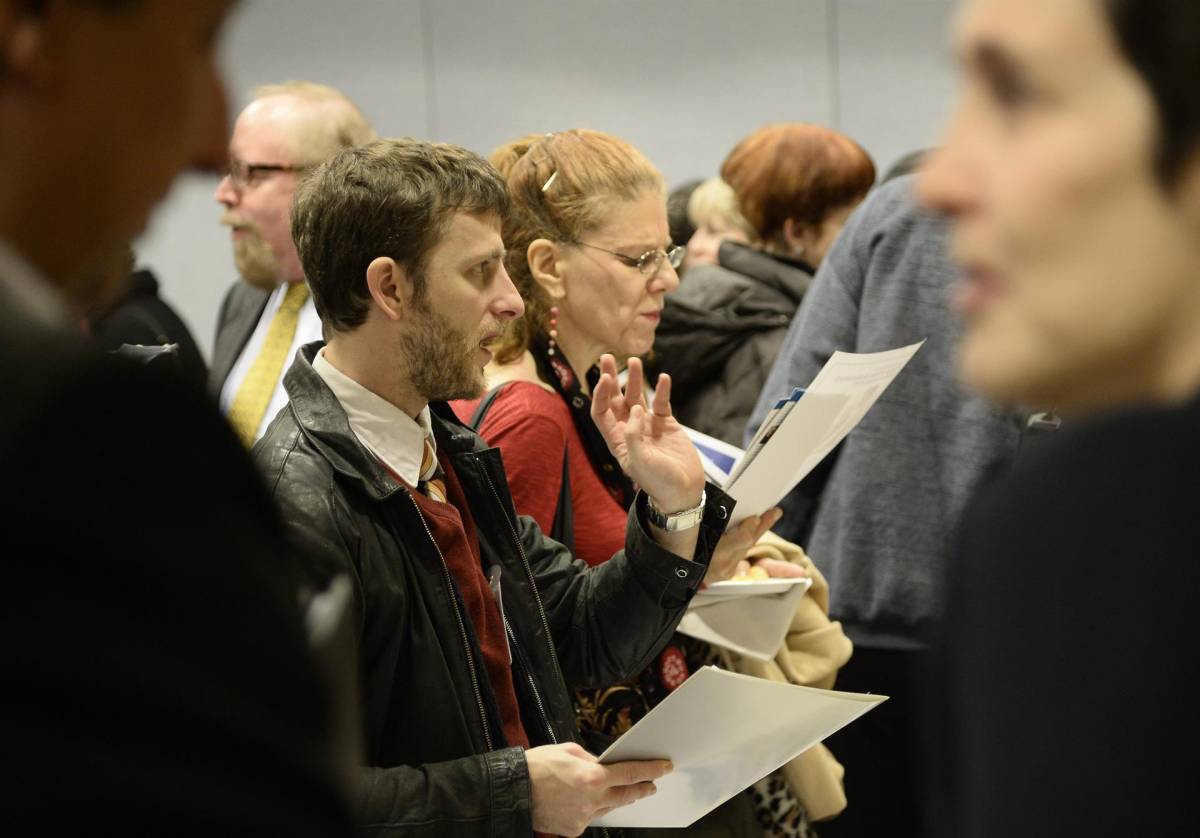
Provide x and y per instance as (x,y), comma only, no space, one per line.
(256,389)
(434,486)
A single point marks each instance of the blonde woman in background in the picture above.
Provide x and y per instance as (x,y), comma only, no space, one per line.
(712,209)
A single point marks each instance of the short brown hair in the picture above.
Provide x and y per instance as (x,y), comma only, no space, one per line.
(795,170)
(561,186)
(388,198)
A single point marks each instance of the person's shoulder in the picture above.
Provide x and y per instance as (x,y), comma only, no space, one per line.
(288,461)
(518,397)
(529,414)
(241,298)
(54,378)
(1127,477)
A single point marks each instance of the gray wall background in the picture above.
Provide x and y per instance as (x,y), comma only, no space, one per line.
(683,80)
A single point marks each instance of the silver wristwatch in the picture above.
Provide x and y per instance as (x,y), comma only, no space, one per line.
(677,521)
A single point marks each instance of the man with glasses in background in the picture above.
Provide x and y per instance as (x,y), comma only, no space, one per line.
(267,315)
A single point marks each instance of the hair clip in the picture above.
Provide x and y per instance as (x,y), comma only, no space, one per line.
(550,181)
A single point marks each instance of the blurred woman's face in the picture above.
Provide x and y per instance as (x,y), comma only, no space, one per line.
(705,243)
(611,306)
(1081,273)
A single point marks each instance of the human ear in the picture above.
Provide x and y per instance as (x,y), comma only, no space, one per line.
(545,266)
(390,287)
(799,238)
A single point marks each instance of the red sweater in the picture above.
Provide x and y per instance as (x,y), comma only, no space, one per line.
(453,530)
(531,426)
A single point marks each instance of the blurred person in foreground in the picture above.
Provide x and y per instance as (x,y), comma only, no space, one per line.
(879,514)
(592,258)
(721,330)
(471,623)
(267,314)
(156,674)
(1063,696)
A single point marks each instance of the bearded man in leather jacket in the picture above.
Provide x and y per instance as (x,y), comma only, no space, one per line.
(470,622)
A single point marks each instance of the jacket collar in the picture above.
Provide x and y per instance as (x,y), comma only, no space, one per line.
(790,277)
(323,422)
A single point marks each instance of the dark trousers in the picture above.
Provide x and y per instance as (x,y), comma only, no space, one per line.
(879,751)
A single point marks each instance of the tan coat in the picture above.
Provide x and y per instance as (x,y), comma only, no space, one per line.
(813,651)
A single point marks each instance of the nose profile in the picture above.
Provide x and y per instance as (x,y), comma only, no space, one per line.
(226,194)
(945,182)
(665,278)
(508,304)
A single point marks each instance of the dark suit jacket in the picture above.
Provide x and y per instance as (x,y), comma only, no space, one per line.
(142,317)
(239,313)
(156,674)
(1063,696)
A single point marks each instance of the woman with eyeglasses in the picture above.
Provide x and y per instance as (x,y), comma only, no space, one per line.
(1069,663)
(589,249)
(794,184)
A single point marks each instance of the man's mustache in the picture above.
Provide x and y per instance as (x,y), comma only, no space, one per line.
(232,219)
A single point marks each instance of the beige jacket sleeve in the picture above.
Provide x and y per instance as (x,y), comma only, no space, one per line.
(813,651)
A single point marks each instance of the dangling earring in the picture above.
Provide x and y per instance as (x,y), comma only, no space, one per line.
(553,329)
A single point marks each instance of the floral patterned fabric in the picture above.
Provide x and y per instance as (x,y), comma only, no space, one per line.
(603,714)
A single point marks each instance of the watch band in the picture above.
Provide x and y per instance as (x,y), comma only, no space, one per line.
(677,521)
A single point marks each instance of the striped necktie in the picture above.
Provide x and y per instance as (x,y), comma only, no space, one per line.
(432,483)
(255,392)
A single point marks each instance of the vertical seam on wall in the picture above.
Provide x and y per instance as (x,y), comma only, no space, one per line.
(835,64)
(431,116)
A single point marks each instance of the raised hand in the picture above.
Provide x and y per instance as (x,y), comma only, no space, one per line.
(571,788)
(651,446)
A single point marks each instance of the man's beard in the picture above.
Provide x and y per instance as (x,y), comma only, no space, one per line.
(256,262)
(439,360)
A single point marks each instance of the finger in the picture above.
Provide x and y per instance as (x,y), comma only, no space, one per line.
(602,395)
(769,519)
(781,570)
(635,384)
(618,796)
(608,364)
(637,771)
(743,568)
(662,395)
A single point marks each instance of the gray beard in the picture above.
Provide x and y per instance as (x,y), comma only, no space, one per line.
(256,263)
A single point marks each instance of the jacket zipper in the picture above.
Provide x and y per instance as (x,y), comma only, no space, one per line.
(462,629)
(541,612)
(512,639)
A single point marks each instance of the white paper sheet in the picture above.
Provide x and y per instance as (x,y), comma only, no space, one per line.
(723,732)
(837,400)
(743,620)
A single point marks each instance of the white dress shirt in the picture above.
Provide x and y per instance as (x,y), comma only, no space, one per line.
(25,291)
(384,429)
(308,329)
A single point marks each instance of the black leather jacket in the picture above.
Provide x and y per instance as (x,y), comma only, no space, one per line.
(440,763)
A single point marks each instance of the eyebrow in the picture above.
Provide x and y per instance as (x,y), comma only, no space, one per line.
(494,253)
(992,58)
(642,247)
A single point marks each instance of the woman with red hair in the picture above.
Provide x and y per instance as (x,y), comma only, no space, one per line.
(795,184)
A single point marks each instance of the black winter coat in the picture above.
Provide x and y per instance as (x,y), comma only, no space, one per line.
(439,763)
(720,333)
